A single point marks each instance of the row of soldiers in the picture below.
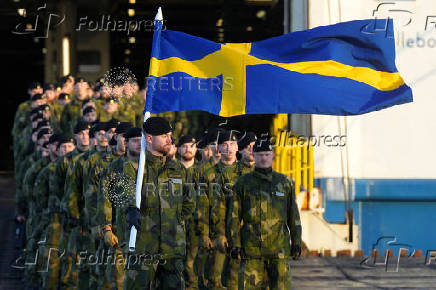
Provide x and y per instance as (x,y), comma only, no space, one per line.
(196,222)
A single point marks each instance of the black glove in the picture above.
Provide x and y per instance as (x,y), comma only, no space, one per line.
(133,217)
(295,251)
(236,253)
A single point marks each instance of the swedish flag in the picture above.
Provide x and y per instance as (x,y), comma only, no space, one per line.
(342,69)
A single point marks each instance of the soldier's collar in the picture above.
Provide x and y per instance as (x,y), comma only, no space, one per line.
(155,160)
(264,173)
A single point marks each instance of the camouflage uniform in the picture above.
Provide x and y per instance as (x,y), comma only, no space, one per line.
(219,210)
(74,201)
(70,113)
(264,204)
(57,199)
(198,174)
(111,212)
(123,114)
(211,223)
(161,240)
(91,181)
(21,119)
(27,163)
(47,226)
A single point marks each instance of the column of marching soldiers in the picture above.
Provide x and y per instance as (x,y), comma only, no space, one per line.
(211,222)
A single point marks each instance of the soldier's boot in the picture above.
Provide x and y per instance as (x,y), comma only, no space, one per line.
(216,270)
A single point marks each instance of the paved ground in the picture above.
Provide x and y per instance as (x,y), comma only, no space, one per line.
(308,273)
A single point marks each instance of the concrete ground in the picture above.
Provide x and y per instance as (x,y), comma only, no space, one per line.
(308,272)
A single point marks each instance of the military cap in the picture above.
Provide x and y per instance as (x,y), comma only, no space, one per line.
(44,107)
(246,139)
(212,135)
(133,132)
(43,123)
(111,99)
(262,144)
(80,126)
(43,132)
(34,85)
(58,87)
(45,145)
(36,110)
(63,80)
(65,139)
(123,127)
(112,141)
(156,126)
(227,136)
(88,109)
(97,127)
(80,79)
(203,142)
(38,97)
(49,87)
(54,138)
(37,116)
(112,123)
(64,96)
(186,139)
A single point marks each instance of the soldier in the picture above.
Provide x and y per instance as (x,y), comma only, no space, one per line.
(110,209)
(187,149)
(211,223)
(68,155)
(227,179)
(74,191)
(165,205)
(264,220)
(72,110)
(90,115)
(205,151)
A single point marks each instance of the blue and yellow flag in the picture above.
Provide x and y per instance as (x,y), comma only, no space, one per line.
(342,69)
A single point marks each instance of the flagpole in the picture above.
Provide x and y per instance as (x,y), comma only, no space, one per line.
(158,21)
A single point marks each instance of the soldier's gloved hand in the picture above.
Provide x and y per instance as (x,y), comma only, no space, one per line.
(205,242)
(236,253)
(110,239)
(221,243)
(133,217)
(295,251)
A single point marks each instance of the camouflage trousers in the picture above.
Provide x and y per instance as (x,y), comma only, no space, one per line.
(167,274)
(52,254)
(217,259)
(231,273)
(265,274)
(115,270)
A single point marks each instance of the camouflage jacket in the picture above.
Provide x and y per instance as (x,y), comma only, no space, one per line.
(70,112)
(264,215)
(208,193)
(165,204)
(29,184)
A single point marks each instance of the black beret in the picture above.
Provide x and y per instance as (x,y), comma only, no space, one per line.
(54,138)
(97,127)
(45,145)
(246,139)
(212,135)
(186,139)
(156,126)
(65,139)
(133,132)
(80,126)
(34,85)
(63,80)
(111,99)
(203,142)
(64,96)
(80,79)
(88,109)
(35,111)
(262,144)
(43,132)
(37,116)
(123,127)
(112,141)
(44,107)
(48,87)
(38,97)
(227,136)
(43,123)
(112,123)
